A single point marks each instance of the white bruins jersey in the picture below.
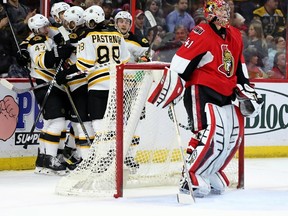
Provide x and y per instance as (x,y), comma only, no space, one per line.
(37,47)
(99,47)
(136,48)
(74,37)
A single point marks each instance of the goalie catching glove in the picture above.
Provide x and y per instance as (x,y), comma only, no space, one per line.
(250,103)
(168,90)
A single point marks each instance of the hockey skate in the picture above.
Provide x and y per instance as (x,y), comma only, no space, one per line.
(71,158)
(52,166)
(184,189)
(39,164)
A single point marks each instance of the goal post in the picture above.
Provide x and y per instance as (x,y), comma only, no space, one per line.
(137,144)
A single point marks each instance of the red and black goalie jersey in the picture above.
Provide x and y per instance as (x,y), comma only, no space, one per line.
(208,59)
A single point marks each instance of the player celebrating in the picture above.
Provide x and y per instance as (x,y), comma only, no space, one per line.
(100,46)
(123,23)
(73,21)
(211,71)
(45,57)
(57,12)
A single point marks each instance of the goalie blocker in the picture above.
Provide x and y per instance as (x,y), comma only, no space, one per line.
(168,90)
(250,103)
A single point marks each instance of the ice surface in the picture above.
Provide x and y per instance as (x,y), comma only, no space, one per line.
(265,193)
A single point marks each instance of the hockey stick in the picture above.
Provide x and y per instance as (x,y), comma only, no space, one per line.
(43,104)
(27,71)
(184,198)
(10,86)
(154,28)
(77,114)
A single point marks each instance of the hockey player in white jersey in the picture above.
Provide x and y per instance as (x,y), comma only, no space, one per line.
(100,46)
(73,21)
(45,57)
(57,12)
(138,49)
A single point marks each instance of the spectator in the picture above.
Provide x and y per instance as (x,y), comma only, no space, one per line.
(199,17)
(126,7)
(80,3)
(157,41)
(89,3)
(279,69)
(108,9)
(154,7)
(238,21)
(19,14)
(170,44)
(256,39)
(140,30)
(278,46)
(254,71)
(179,16)
(245,8)
(273,20)
(8,50)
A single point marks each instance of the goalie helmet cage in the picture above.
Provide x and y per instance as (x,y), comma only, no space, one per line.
(139,134)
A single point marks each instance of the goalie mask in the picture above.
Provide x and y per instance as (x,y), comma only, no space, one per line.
(218,12)
(93,15)
(73,17)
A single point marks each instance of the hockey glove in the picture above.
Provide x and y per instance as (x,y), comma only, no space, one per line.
(250,103)
(169,90)
(23,58)
(246,92)
(63,51)
(61,77)
(58,38)
(143,59)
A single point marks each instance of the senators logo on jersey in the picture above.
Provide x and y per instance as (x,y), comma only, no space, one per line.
(227,67)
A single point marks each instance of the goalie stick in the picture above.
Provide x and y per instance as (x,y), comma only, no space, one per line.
(183,198)
(154,28)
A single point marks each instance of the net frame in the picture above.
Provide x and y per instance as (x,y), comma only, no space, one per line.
(120,182)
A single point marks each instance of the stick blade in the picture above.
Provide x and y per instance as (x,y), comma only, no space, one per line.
(150,18)
(6,84)
(185,198)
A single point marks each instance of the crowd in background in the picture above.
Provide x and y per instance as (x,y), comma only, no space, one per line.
(261,22)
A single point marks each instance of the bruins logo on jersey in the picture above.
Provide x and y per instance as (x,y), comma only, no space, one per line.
(37,39)
(73,36)
(144,40)
(227,67)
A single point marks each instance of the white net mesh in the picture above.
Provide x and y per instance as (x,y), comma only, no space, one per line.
(150,149)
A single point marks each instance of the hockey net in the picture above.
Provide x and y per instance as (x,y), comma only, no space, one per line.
(141,135)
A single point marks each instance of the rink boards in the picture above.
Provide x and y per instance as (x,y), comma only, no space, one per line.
(265,135)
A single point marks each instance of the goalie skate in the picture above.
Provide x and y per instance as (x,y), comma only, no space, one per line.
(185,196)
